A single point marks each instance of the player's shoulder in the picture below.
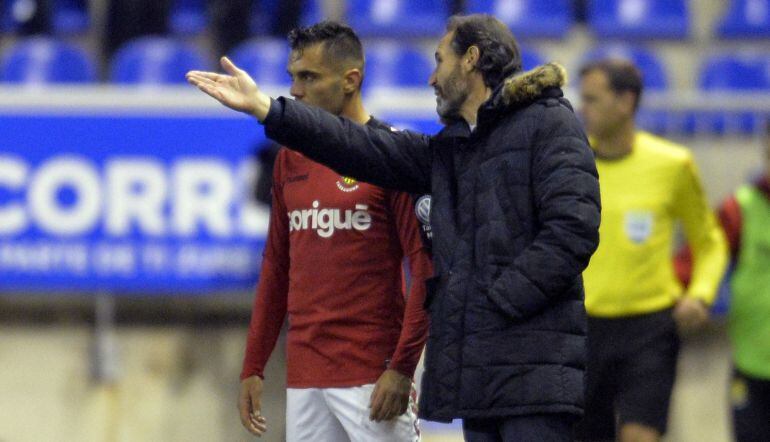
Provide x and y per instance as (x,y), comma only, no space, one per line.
(663,150)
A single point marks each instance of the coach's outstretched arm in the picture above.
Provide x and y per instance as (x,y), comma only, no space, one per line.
(392,159)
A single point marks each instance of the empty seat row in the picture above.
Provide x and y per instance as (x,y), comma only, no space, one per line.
(628,19)
(389,64)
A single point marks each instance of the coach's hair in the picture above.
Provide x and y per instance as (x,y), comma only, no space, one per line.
(499,53)
(341,44)
(622,75)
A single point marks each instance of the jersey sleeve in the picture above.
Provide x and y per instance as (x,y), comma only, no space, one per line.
(414,331)
(269,309)
(705,237)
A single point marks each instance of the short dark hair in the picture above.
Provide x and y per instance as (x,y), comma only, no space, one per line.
(340,41)
(622,75)
(499,53)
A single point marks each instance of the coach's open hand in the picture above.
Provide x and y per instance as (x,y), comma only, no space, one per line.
(237,91)
(250,407)
(390,396)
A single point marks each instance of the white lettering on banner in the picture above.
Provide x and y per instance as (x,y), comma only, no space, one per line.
(44,186)
(44,257)
(326,221)
(128,260)
(13,174)
(114,259)
(137,190)
(194,260)
(190,195)
(204,192)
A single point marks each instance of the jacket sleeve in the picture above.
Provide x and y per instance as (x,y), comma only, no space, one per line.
(414,329)
(392,159)
(270,302)
(567,208)
(704,235)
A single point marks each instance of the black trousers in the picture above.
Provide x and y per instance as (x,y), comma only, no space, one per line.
(556,427)
(750,399)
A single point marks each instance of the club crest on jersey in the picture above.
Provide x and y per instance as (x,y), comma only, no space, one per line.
(347,184)
(422,209)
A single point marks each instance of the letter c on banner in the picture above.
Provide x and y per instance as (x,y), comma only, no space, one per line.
(13,174)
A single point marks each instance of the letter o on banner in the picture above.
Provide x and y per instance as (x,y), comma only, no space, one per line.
(50,179)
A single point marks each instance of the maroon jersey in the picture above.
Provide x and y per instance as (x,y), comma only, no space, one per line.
(333,262)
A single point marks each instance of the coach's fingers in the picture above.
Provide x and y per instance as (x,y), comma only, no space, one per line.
(230,67)
(213,76)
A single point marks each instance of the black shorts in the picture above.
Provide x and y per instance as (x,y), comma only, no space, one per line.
(750,400)
(630,373)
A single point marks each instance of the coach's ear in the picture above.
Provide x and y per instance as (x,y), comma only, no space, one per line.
(352,79)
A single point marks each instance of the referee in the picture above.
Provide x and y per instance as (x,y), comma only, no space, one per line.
(634,302)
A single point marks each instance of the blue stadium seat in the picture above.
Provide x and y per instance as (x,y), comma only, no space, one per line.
(392,64)
(402,18)
(70,17)
(725,73)
(41,60)
(741,72)
(528,18)
(653,71)
(264,60)
(531,58)
(746,19)
(187,17)
(155,60)
(639,19)
(263,12)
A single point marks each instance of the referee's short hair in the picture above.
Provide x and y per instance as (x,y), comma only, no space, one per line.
(622,75)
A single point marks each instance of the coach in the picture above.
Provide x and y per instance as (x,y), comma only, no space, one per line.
(515,217)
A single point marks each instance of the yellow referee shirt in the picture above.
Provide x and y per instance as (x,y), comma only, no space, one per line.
(643,195)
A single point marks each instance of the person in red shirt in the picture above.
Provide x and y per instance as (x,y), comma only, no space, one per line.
(333,263)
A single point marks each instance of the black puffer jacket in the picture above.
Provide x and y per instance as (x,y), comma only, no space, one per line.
(515,216)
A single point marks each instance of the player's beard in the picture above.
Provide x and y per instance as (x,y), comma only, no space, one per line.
(451,95)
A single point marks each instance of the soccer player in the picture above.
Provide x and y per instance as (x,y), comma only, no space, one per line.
(515,217)
(333,262)
(633,299)
(745,217)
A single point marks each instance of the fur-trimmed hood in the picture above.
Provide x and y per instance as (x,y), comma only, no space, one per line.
(528,86)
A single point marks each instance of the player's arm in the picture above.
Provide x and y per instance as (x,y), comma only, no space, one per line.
(392,159)
(268,313)
(390,397)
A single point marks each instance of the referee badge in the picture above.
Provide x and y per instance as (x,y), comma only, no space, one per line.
(638,226)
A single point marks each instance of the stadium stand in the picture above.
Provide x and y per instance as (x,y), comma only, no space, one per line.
(70,17)
(639,19)
(745,19)
(403,18)
(40,60)
(391,64)
(154,60)
(264,59)
(529,18)
(188,17)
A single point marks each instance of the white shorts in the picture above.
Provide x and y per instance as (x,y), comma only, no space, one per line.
(342,414)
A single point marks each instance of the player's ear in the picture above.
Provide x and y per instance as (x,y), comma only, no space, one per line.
(351,80)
